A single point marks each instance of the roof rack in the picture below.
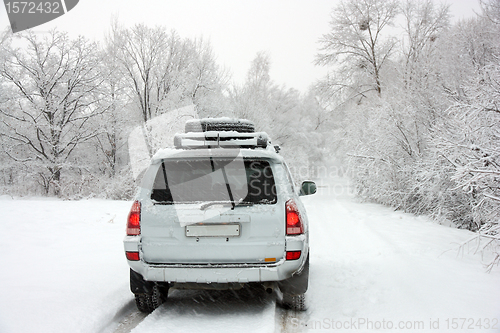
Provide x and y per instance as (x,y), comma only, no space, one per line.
(215,139)
(220,124)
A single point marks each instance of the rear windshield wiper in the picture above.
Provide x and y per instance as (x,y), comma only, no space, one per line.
(232,203)
(228,187)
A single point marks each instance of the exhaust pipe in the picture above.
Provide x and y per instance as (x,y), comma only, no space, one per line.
(269,287)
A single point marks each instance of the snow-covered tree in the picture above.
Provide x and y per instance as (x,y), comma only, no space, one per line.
(52,84)
(468,140)
(357,46)
(423,25)
(207,81)
(296,122)
(117,118)
(165,72)
(141,51)
(430,143)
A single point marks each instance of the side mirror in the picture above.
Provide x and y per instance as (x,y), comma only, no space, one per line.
(308,188)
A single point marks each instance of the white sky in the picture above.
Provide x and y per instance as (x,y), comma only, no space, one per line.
(288,30)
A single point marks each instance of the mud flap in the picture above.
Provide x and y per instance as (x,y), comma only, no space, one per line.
(298,283)
(138,285)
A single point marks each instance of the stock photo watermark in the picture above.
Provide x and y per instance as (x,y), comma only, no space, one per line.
(473,324)
(29,14)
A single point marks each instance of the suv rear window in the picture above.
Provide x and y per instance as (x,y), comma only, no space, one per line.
(242,181)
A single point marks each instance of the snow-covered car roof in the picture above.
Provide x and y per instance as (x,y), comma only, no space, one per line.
(220,120)
(170,153)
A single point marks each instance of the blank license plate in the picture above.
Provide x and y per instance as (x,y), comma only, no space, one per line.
(213,230)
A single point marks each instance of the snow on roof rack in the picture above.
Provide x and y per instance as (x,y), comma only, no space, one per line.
(215,139)
(220,124)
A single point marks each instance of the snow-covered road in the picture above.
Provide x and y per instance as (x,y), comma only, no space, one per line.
(63,270)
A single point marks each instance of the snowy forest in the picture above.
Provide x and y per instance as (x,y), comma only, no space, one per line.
(410,109)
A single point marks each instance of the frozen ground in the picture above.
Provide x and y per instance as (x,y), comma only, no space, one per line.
(372,269)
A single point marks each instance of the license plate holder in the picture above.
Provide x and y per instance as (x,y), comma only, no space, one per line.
(213,230)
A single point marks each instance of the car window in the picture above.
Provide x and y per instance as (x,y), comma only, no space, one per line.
(244,181)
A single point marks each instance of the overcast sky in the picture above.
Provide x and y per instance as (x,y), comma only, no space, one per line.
(288,30)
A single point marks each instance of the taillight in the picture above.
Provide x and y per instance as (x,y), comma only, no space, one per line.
(293,220)
(293,255)
(132,256)
(134,220)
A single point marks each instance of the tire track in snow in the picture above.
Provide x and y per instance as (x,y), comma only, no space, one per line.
(127,318)
(130,322)
(290,321)
(250,309)
(285,321)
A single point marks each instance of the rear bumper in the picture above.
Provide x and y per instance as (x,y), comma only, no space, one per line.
(206,274)
(216,274)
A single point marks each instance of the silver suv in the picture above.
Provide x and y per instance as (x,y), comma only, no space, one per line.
(219,211)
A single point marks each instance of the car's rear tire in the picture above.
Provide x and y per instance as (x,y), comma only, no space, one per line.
(293,289)
(149,295)
(147,303)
